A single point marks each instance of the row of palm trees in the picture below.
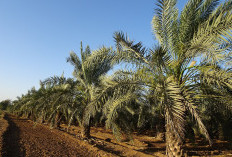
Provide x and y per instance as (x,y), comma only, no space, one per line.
(188,74)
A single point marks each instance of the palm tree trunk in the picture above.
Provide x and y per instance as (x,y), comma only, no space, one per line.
(41,120)
(29,115)
(57,120)
(86,122)
(86,131)
(86,125)
(174,144)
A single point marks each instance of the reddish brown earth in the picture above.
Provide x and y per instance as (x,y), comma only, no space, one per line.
(3,127)
(21,137)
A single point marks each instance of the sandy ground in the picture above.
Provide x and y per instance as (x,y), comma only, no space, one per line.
(21,137)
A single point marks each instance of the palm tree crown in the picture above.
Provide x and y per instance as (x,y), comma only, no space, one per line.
(202,30)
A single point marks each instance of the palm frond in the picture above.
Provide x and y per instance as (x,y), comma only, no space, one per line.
(190,104)
(74,60)
(215,76)
(207,8)
(211,34)
(128,50)
(164,20)
(98,63)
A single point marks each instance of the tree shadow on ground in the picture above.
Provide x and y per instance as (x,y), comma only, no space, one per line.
(11,137)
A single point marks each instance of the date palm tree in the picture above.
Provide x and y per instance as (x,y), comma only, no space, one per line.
(53,101)
(25,105)
(200,33)
(123,97)
(217,106)
(57,100)
(88,71)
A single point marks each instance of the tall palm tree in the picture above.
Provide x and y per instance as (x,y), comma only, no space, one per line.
(201,30)
(88,71)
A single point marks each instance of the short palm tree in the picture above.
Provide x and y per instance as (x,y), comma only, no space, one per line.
(53,101)
(123,97)
(25,104)
(200,33)
(88,71)
(57,100)
(216,103)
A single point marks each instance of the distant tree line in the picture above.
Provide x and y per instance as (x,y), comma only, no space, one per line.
(5,104)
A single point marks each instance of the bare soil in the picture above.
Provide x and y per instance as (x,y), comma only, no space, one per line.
(148,145)
(21,137)
(3,127)
(24,138)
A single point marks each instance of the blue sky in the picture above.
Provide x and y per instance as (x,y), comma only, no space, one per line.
(37,36)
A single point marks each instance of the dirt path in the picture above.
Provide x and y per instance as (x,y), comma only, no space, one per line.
(22,138)
(11,146)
